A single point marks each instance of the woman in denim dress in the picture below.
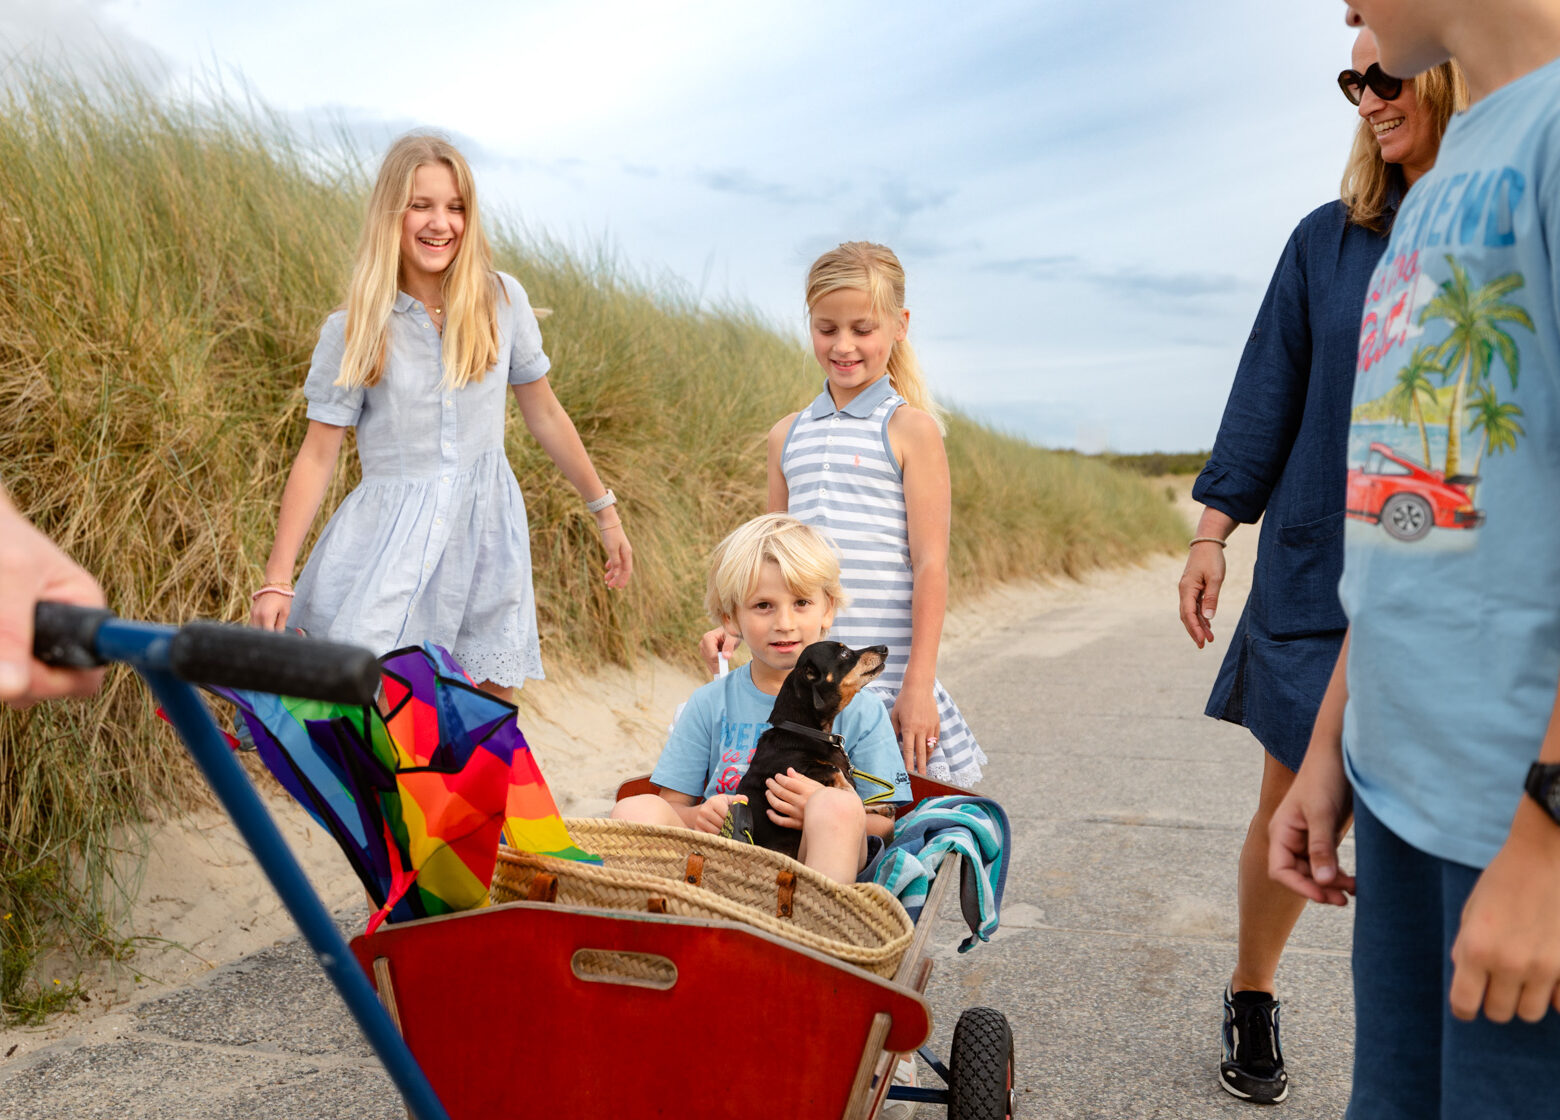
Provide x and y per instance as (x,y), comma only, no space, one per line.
(1281,457)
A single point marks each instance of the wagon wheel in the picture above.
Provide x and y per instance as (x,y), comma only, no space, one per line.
(1406,517)
(980,1067)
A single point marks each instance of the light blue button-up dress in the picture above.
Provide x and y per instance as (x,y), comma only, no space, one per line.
(433,544)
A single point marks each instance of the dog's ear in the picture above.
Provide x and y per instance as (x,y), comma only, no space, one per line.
(820,701)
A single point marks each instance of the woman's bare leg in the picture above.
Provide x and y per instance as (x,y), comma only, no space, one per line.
(1268,911)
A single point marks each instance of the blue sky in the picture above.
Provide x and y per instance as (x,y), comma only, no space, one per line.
(1088,198)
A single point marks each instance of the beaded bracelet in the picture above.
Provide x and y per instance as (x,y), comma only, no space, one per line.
(614,525)
(1206,540)
(273,589)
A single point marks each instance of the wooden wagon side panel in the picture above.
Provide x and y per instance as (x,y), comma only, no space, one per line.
(494,1008)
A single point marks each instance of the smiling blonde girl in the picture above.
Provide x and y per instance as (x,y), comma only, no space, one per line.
(433,544)
(865,464)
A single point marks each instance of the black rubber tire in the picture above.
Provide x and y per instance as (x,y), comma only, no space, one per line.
(1407,517)
(980,1067)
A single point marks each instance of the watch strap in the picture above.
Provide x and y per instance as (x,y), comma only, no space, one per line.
(1543,786)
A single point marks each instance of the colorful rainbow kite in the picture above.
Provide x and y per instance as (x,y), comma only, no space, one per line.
(419,796)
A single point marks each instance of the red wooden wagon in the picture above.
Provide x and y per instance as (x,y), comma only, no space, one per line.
(498,1008)
(507,1017)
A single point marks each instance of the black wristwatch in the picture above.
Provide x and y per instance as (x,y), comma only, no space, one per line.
(1543,786)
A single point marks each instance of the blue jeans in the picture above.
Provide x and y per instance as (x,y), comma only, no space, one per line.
(1412,1059)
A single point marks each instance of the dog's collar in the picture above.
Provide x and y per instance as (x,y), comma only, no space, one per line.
(812,733)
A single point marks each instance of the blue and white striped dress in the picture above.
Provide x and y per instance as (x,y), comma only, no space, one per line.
(842,478)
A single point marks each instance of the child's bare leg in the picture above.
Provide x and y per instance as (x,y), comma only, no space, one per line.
(1268,911)
(502,691)
(834,834)
(647,808)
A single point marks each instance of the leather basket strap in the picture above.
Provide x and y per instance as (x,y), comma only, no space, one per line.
(786,882)
(544,888)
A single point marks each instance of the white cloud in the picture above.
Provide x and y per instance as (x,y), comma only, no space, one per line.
(1166,150)
(70,36)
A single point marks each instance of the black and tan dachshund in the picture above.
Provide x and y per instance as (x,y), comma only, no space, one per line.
(825,678)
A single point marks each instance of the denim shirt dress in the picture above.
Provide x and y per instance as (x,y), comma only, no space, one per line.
(1281,452)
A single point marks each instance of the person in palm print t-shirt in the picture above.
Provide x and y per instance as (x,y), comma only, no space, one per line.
(1445,692)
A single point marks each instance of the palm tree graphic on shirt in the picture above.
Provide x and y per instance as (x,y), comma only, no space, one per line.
(1413,391)
(1475,340)
(1409,499)
(1497,421)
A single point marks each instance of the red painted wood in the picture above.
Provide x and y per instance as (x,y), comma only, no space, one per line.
(753,1026)
(635,786)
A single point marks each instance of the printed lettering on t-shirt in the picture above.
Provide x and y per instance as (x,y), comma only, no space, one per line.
(1462,211)
(737,743)
(1391,286)
(1439,362)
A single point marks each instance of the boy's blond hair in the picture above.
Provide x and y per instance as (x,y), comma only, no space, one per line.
(808,564)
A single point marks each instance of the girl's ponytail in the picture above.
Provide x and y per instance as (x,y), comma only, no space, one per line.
(904,374)
(865,267)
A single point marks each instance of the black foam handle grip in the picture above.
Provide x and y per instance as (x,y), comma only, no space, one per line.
(66,637)
(242,657)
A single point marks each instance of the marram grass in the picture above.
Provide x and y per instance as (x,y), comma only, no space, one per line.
(164,270)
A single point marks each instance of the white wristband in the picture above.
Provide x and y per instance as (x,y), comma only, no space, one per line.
(601,503)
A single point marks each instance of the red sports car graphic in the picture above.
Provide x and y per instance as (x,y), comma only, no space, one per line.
(1407,499)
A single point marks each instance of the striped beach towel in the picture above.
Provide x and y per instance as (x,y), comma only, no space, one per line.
(973,827)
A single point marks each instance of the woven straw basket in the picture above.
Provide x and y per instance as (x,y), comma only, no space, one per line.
(696,875)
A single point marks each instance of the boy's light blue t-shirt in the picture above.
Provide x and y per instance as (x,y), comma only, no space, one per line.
(713,741)
(1452,586)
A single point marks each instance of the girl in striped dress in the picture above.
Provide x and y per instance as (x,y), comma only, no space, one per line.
(865,463)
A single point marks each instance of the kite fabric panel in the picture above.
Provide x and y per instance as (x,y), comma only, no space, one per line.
(419,796)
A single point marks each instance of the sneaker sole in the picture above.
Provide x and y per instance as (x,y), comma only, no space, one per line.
(1234,1092)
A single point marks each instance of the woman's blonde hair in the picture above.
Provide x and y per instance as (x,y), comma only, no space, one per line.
(469,286)
(861,266)
(808,564)
(1370,182)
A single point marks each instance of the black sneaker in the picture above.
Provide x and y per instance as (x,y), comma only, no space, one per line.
(1253,1066)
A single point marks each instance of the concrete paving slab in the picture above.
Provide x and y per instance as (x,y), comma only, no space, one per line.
(152,1079)
(272,1001)
(1113,1025)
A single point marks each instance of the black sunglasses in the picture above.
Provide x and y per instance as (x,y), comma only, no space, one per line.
(1382,84)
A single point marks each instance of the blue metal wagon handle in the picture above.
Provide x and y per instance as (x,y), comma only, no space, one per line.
(218,654)
(170,658)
